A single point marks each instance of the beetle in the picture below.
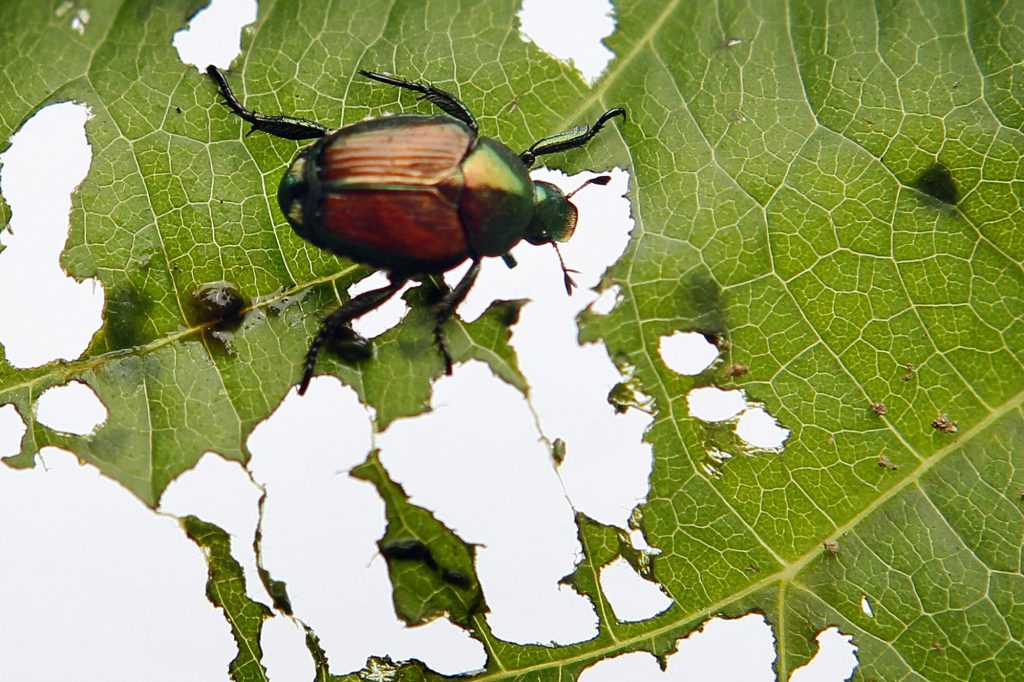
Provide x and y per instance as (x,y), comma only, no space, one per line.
(416,195)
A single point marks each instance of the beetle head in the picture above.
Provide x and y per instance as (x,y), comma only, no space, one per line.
(291,193)
(554,216)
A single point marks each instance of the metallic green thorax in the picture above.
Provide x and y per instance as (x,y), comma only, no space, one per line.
(497,198)
(292,192)
(554,218)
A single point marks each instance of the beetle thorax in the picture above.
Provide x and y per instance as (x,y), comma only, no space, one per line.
(291,193)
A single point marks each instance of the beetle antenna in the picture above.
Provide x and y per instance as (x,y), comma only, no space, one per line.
(569,284)
(596,180)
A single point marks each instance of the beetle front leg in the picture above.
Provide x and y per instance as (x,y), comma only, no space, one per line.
(360,305)
(447,307)
(288,127)
(570,139)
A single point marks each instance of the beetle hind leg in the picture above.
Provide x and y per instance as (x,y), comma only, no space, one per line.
(360,305)
(445,101)
(288,127)
(447,307)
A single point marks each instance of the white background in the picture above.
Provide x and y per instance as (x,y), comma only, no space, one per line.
(87,571)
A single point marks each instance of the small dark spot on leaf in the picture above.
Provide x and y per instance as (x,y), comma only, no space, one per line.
(910,372)
(886,463)
(219,305)
(735,370)
(456,578)
(945,424)
(178,109)
(937,182)
(879,408)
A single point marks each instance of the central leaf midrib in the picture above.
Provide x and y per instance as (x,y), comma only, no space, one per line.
(65,370)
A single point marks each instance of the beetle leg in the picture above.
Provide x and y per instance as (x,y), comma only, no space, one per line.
(570,139)
(288,127)
(360,305)
(445,101)
(446,307)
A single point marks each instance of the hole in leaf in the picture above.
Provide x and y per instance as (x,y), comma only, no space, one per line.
(760,429)
(84,548)
(687,353)
(571,30)
(632,598)
(213,35)
(320,532)
(220,492)
(639,541)
(714,405)
(607,300)
(12,430)
(608,466)
(376,322)
(835,659)
(709,653)
(865,606)
(71,408)
(501,492)
(55,317)
(284,650)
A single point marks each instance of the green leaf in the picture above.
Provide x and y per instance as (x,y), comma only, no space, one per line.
(833,190)
(431,569)
(225,589)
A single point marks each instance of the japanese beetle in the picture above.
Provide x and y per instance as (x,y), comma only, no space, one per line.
(416,195)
